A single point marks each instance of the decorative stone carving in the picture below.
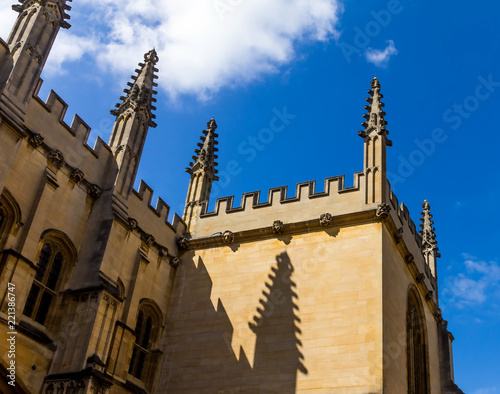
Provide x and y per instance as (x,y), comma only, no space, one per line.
(278,227)
(409,258)
(228,237)
(133,223)
(148,239)
(382,211)
(35,140)
(56,157)
(94,191)
(325,219)
(163,252)
(429,295)
(110,300)
(398,237)
(97,387)
(174,262)
(420,277)
(182,242)
(77,175)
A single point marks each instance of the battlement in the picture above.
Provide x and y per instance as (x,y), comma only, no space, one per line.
(406,231)
(278,195)
(70,140)
(93,162)
(140,207)
(306,204)
(403,215)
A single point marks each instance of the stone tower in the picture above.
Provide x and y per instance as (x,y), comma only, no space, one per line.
(203,171)
(322,291)
(133,118)
(30,42)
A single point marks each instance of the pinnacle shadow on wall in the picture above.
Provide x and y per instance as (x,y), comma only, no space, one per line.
(199,356)
(276,326)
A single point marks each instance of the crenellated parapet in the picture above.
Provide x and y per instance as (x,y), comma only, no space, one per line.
(307,203)
(409,242)
(69,139)
(142,207)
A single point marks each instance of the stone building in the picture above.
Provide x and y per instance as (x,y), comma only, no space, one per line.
(325,292)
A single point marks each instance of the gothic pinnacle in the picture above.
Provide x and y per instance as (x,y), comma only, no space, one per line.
(25,4)
(205,155)
(140,92)
(375,121)
(427,232)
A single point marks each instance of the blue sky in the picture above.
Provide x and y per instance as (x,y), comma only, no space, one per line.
(242,61)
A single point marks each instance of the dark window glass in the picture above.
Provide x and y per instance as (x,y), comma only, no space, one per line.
(31,301)
(43,262)
(416,352)
(55,271)
(42,293)
(142,347)
(2,219)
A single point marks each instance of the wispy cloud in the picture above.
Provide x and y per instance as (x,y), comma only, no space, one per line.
(490,390)
(203,45)
(475,285)
(381,57)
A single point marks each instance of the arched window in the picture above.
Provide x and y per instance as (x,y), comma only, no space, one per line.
(146,331)
(10,216)
(56,256)
(3,217)
(416,351)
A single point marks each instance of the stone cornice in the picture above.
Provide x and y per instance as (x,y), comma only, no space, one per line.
(286,229)
(418,276)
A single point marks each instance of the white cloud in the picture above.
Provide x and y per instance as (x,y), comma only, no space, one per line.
(474,287)
(381,57)
(490,390)
(203,45)
(7,18)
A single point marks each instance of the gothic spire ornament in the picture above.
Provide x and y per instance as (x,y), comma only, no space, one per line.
(375,122)
(205,155)
(57,8)
(140,93)
(427,231)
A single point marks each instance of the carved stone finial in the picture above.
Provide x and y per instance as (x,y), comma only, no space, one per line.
(427,232)
(182,242)
(94,191)
(228,237)
(211,124)
(278,227)
(76,175)
(383,210)
(206,154)
(139,96)
(374,118)
(325,219)
(56,157)
(174,262)
(35,140)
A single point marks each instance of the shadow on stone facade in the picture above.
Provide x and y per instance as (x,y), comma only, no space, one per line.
(199,357)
